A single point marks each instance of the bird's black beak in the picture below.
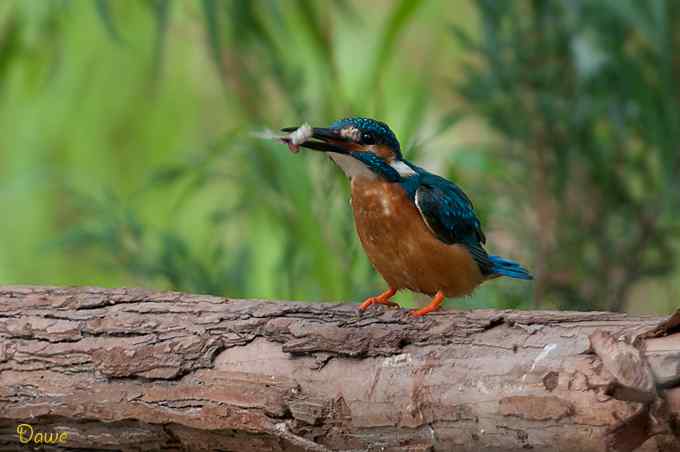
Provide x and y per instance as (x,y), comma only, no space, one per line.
(323,139)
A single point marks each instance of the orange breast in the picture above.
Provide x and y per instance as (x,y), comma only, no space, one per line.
(401,247)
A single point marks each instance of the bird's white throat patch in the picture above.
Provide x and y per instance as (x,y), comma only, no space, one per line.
(351,166)
(355,168)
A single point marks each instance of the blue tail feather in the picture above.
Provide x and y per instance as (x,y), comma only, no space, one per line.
(506,267)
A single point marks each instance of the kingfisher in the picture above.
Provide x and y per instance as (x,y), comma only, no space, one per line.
(418,229)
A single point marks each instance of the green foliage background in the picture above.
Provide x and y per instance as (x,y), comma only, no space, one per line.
(127,155)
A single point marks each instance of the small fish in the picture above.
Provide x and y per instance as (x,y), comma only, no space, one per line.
(293,139)
(297,137)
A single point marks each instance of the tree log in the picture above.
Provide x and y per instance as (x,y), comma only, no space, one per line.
(130,369)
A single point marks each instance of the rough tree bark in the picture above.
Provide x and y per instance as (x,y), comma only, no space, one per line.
(128,369)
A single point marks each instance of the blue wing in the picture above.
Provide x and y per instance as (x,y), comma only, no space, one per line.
(450,215)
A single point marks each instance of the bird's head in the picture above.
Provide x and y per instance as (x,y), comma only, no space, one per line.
(362,147)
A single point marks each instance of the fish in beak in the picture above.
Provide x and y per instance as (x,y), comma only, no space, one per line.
(317,138)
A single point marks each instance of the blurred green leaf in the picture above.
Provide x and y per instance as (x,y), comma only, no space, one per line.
(103,8)
(400,16)
(314,27)
(161,11)
(211,14)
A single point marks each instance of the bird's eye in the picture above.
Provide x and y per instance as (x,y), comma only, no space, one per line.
(367,138)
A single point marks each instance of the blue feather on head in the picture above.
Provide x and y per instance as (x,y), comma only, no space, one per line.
(378,129)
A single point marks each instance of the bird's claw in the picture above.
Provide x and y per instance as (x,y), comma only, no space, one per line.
(433,306)
(419,312)
(383,298)
(375,300)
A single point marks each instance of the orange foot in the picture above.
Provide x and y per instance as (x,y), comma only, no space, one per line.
(383,298)
(433,306)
